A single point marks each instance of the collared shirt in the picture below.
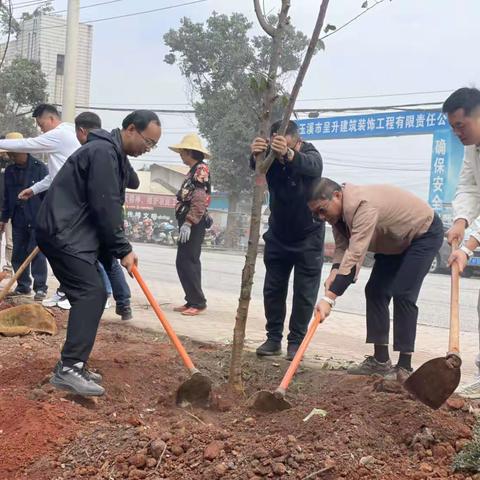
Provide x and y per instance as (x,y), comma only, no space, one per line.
(58,144)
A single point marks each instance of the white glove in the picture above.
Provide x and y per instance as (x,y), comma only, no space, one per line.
(185,231)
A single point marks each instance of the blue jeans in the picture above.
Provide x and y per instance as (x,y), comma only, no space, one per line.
(23,244)
(115,283)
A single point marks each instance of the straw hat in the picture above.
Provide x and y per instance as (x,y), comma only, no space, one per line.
(191,142)
(12,136)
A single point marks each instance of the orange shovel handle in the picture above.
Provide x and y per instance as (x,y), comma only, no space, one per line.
(163,320)
(287,378)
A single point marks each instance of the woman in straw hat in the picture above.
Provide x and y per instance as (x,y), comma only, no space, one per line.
(193,219)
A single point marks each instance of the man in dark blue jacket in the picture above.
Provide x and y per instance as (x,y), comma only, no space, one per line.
(294,241)
(81,223)
(25,171)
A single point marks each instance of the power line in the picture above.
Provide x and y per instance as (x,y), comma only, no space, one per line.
(375,96)
(19,5)
(90,6)
(299,100)
(127,15)
(297,110)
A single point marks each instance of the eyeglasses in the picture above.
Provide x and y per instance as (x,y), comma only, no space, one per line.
(151,144)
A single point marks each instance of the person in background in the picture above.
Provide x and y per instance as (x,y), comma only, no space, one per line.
(6,235)
(25,170)
(113,277)
(293,241)
(193,219)
(58,141)
(81,222)
(463,110)
(405,234)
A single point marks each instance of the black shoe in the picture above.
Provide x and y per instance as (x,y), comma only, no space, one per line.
(18,293)
(40,295)
(125,312)
(291,351)
(269,349)
(96,377)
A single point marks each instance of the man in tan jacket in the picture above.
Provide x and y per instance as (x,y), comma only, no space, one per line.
(405,234)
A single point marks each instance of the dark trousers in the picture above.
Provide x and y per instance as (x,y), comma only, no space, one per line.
(189,267)
(82,283)
(400,277)
(23,244)
(306,259)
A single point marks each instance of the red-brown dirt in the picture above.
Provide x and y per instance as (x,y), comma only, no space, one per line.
(135,431)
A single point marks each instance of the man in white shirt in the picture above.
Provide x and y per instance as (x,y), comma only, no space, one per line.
(463,110)
(58,141)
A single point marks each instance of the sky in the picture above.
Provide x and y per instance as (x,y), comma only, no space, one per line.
(398,47)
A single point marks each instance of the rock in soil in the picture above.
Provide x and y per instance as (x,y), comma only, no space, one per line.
(213,450)
(157,448)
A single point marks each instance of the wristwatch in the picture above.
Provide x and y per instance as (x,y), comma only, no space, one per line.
(329,300)
(466,251)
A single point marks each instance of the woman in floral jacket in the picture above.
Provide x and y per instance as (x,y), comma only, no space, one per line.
(193,219)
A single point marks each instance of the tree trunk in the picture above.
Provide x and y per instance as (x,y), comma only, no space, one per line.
(231,232)
(235,378)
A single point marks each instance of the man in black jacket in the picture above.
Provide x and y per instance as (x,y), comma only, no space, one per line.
(112,275)
(25,171)
(293,240)
(80,223)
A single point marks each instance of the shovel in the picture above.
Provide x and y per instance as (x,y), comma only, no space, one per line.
(197,389)
(268,402)
(23,266)
(437,379)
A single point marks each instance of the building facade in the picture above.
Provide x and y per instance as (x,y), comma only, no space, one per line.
(43,39)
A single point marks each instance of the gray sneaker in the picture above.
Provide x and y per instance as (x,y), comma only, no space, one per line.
(96,377)
(371,366)
(76,380)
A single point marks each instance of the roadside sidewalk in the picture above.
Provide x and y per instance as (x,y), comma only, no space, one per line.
(341,337)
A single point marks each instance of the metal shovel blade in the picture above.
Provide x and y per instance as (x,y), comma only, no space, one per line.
(435,380)
(269,402)
(195,391)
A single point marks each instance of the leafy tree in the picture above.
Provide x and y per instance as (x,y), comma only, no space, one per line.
(22,86)
(226,69)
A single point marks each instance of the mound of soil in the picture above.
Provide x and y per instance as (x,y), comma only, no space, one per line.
(372,430)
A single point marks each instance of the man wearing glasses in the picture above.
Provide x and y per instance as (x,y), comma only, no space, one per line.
(405,234)
(79,224)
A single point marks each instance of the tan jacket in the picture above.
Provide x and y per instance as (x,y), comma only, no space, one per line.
(380,219)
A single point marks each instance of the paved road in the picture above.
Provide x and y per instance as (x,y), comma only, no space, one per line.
(222,271)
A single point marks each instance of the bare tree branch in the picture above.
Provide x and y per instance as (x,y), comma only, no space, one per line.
(269,29)
(265,165)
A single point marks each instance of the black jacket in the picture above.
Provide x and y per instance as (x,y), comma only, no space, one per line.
(33,172)
(289,185)
(82,212)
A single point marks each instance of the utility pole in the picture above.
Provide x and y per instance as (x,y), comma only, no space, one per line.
(71,54)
